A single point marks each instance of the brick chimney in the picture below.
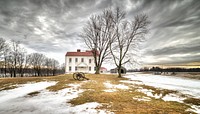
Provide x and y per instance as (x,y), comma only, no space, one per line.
(78,50)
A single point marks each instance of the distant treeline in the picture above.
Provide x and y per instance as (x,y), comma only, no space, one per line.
(16,62)
(29,72)
(158,69)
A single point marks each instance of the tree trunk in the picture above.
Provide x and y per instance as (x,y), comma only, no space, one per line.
(5,71)
(54,71)
(119,71)
(14,73)
(22,73)
(5,67)
(97,70)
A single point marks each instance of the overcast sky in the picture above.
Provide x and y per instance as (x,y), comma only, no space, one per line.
(51,26)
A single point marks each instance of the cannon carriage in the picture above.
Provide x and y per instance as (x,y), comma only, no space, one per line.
(79,76)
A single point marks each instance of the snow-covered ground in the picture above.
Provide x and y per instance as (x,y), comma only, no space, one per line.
(22,90)
(17,101)
(184,86)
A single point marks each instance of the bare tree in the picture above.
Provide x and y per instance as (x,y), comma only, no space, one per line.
(5,58)
(27,64)
(128,35)
(21,60)
(13,58)
(37,62)
(48,66)
(2,46)
(15,61)
(62,67)
(98,34)
(54,66)
(3,54)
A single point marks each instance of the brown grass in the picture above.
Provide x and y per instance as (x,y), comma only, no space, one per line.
(11,83)
(193,101)
(158,91)
(62,81)
(120,102)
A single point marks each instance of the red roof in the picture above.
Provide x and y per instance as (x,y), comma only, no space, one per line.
(79,53)
(103,68)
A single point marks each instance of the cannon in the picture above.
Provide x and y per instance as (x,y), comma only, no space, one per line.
(79,76)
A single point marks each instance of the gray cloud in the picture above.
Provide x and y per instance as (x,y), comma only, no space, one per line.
(53,25)
(191,48)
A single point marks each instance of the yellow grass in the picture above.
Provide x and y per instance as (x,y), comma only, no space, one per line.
(119,102)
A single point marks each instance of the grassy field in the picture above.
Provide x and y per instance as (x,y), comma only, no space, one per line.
(120,101)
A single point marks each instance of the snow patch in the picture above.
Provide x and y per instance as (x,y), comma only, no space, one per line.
(110,90)
(150,93)
(195,109)
(183,85)
(173,97)
(118,86)
(88,108)
(132,82)
(139,98)
(188,87)
(23,90)
(46,102)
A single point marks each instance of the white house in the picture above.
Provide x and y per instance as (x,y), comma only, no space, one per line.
(79,62)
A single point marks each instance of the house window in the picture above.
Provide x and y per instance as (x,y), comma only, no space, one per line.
(90,60)
(76,68)
(76,60)
(70,60)
(94,68)
(89,68)
(82,59)
(70,68)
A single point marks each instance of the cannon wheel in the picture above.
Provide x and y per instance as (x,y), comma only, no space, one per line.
(75,76)
(80,76)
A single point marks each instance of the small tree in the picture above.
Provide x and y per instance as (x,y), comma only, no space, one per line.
(128,35)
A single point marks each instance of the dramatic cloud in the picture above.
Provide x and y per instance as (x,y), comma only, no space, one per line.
(52,26)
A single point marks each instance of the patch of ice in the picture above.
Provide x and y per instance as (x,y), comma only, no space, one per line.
(118,86)
(7,95)
(173,97)
(110,90)
(139,98)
